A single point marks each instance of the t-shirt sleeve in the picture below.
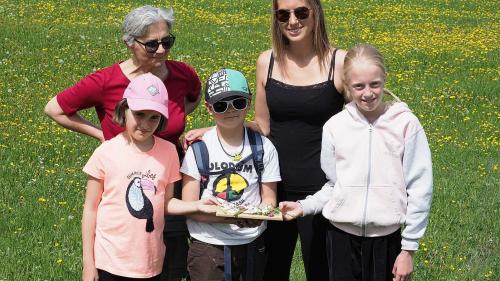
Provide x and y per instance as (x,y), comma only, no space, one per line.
(189,166)
(95,165)
(85,93)
(195,83)
(271,171)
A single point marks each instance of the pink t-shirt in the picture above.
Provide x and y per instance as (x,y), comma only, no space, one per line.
(104,88)
(132,202)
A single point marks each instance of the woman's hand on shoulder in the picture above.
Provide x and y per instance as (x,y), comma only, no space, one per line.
(192,136)
(291,210)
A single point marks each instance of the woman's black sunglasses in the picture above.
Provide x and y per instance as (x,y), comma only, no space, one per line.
(153,45)
(223,105)
(301,13)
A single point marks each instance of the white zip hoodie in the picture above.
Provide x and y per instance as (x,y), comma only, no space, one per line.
(379,174)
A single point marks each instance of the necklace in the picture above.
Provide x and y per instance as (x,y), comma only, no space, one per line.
(236,156)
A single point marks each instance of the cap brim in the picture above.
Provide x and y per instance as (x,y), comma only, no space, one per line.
(224,95)
(143,104)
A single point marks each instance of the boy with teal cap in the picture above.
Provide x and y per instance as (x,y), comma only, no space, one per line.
(226,248)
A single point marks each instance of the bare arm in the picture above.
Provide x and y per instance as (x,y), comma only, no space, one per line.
(339,72)
(191,192)
(261,110)
(74,122)
(92,198)
(174,206)
(268,194)
(190,106)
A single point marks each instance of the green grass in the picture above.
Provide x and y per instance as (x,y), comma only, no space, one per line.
(443,60)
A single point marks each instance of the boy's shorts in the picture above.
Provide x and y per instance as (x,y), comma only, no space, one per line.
(206,261)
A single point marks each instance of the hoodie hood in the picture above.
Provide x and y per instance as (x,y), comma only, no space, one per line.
(394,110)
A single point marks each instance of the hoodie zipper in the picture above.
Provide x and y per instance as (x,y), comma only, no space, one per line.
(363,222)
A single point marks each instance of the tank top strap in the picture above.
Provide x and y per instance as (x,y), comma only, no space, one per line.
(331,73)
(270,69)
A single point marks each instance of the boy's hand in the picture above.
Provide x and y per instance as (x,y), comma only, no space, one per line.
(208,205)
(89,273)
(291,210)
(403,266)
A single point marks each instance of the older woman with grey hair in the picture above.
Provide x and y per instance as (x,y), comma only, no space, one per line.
(147,33)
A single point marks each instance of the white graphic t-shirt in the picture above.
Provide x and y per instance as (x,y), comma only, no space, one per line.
(241,186)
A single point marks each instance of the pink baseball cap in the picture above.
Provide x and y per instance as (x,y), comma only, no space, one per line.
(147,92)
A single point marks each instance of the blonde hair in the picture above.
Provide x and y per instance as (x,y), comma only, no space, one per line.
(365,53)
(119,116)
(321,45)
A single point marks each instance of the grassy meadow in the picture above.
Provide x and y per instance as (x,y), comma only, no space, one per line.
(443,60)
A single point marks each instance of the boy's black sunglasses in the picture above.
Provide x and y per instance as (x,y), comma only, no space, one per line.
(301,13)
(153,45)
(223,105)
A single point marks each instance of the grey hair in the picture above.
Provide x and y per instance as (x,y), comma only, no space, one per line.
(137,22)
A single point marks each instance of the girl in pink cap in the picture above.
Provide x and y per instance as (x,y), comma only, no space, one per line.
(130,188)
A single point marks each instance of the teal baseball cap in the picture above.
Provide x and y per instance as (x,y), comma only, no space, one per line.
(226,83)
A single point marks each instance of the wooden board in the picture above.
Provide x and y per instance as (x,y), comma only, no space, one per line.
(276,217)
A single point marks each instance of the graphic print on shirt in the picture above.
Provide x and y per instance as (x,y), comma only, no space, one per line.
(230,186)
(138,203)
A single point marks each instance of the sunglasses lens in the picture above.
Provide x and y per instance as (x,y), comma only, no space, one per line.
(301,13)
(151,46)
(168,42)
(239,104)
(220,106)
(283,15)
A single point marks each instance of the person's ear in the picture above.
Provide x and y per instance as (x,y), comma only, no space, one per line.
(128,47)
(209,108)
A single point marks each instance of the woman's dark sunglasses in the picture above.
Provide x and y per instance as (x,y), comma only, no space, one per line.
(223,105)
(153,45)
(301,13)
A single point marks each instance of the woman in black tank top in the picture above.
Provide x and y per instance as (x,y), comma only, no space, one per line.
(298,89)
(300,92)
(297,115)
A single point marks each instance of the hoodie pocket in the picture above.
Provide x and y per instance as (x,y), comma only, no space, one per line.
(384,206)
(346,205)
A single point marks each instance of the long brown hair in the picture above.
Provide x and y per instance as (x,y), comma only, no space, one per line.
(321,44)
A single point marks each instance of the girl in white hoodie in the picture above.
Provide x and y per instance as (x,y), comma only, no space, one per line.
(378,164)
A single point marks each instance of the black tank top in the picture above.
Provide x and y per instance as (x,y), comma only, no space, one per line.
(297,116)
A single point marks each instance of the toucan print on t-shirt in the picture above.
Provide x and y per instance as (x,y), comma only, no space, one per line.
(138,203)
